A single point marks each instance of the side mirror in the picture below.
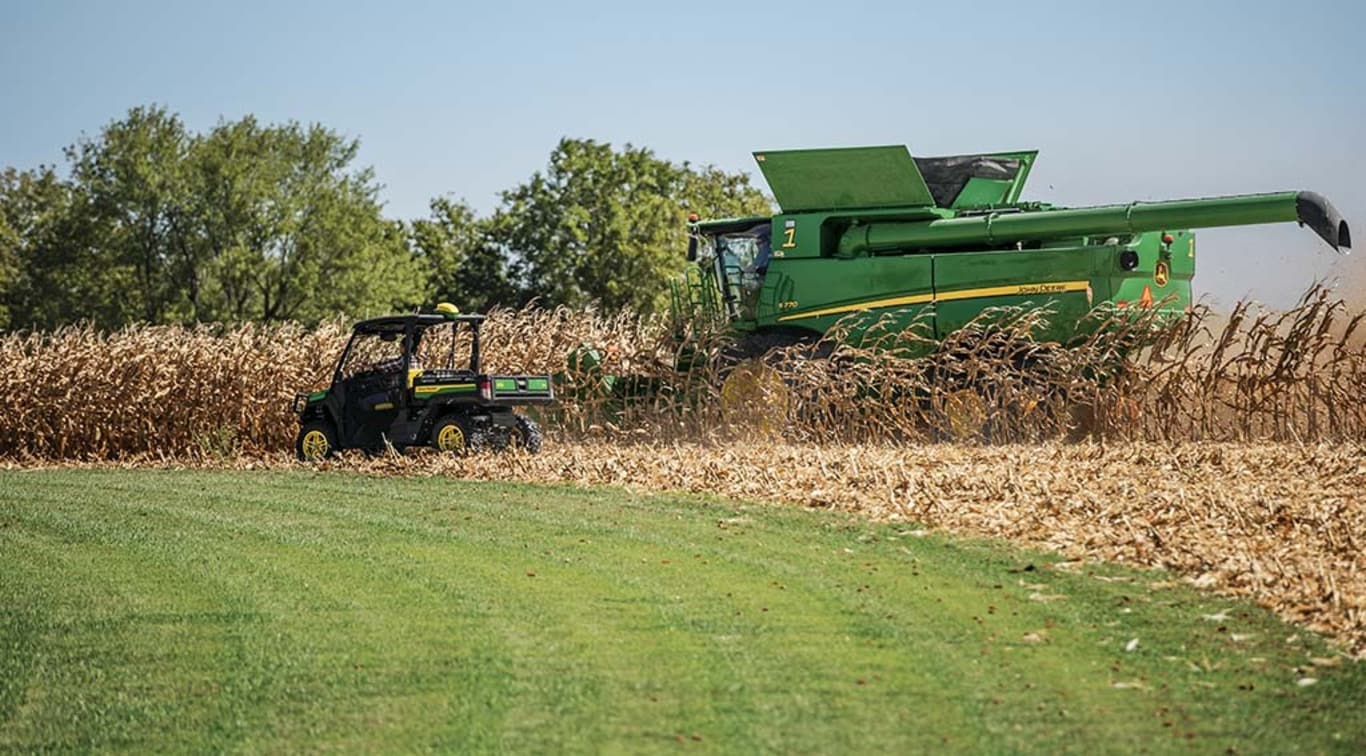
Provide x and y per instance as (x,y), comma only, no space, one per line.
(692,249)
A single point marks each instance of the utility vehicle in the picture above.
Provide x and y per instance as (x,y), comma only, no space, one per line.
(398,383)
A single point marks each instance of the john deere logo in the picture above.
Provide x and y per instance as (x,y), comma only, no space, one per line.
(1162,273)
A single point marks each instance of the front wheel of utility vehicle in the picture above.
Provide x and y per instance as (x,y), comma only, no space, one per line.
(528,434)
(317,441)
(454,434)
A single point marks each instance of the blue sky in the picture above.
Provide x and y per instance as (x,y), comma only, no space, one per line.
(1142,100)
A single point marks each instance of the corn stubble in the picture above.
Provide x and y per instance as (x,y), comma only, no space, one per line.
(1226,447)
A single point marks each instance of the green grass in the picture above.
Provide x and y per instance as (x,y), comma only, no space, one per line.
(158,610)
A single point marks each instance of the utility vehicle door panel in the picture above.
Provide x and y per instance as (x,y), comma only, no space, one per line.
(371,402)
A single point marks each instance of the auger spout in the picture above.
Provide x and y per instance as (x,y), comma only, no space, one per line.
(1316,212)
(999,228)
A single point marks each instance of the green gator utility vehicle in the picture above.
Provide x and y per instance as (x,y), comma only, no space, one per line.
(936,241)
(398,382)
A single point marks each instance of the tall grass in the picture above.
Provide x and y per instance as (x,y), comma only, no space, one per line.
(1253,374)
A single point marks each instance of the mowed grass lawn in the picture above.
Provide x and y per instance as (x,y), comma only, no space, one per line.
(286,611)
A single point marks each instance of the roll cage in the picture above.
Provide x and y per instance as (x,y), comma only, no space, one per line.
(410,328)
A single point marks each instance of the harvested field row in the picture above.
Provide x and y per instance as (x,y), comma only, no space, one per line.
(1277,523)
(1280,524)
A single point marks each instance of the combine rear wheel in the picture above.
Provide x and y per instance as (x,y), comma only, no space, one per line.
(755,395)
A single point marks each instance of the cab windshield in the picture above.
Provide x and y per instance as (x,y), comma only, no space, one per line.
(740,260)
(373,352)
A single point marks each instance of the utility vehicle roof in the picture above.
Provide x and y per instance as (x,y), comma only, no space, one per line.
(398,323)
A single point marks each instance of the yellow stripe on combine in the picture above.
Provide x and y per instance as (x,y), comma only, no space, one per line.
(1014,290)
(873,305)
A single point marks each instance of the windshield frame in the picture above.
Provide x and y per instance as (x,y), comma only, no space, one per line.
(738,280)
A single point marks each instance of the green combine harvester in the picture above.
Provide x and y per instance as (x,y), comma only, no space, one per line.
(873,233)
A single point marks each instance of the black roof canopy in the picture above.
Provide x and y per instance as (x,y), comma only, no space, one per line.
(400,323)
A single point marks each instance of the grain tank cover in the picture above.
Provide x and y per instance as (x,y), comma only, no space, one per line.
(960,181)
(844,178)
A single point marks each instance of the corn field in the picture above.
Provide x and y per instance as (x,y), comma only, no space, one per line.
(1252,375)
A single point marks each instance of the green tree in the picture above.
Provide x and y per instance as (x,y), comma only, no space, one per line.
(250,221)
(157,224)
(52,255)
(289,231)
(11,242)
(609,226)
(464,266)
(131,185)
(9,264)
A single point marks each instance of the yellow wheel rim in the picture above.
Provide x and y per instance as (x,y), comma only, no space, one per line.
(755,398)
(451,438)
(315,445)
(965,413)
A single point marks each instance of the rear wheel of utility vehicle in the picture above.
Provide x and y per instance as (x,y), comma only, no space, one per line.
(454,434)
(498,439)
(528,434)
(317,441)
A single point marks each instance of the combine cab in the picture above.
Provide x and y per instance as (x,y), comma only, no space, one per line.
(935,241)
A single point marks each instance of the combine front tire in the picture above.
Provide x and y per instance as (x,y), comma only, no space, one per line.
(317,441)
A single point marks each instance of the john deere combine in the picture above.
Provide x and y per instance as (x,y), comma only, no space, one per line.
(937,240)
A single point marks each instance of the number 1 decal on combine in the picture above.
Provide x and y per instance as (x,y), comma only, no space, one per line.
(790,234)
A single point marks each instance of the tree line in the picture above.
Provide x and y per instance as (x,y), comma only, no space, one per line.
(151,222)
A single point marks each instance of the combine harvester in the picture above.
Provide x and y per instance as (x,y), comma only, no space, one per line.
(936,241)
